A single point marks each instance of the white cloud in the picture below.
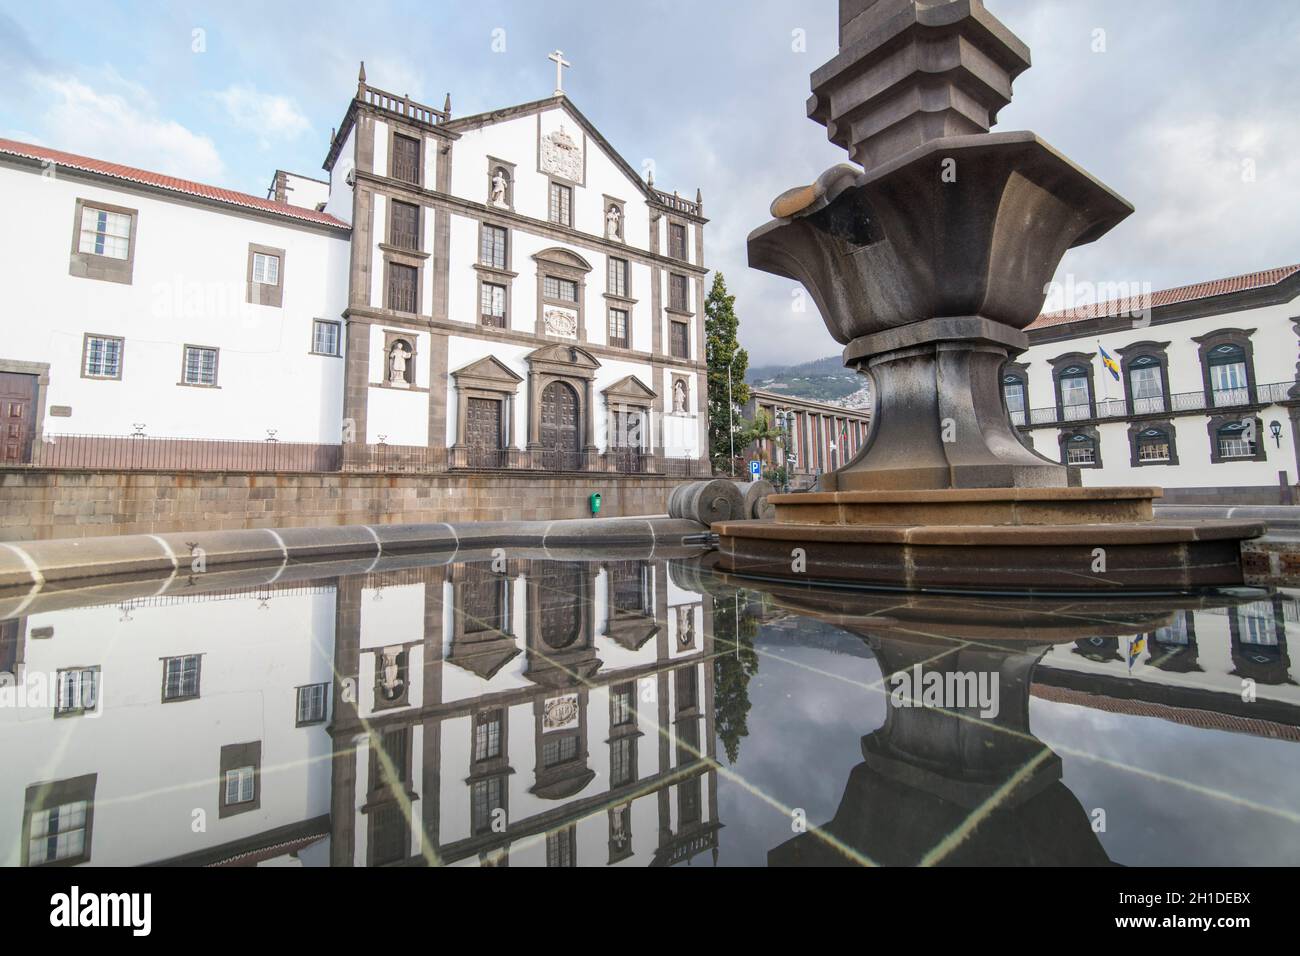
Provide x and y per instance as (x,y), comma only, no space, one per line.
(123,127)
(268,115)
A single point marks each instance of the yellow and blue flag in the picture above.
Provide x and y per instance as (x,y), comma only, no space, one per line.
(1135,649)
(1108,360)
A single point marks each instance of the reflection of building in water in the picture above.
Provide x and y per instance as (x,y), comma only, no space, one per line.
(556,716)
(551,714)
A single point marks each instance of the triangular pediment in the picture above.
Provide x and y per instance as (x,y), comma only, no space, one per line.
(564,355)
(630,387)
(489,368)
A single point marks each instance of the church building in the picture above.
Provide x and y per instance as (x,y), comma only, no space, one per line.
(501,291)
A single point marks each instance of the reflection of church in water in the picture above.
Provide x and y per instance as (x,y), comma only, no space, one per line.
(545,713)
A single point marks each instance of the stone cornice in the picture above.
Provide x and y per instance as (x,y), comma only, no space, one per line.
(511,219)
(426,323)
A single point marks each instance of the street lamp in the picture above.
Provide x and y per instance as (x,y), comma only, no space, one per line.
(731,414)
(1276,428)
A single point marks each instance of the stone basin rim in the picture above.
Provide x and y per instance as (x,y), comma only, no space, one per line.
(966,495)
(974,537)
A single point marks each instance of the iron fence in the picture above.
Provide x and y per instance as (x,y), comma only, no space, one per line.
(1160,405)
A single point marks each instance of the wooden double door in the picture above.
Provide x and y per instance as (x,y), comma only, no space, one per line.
(17,417)
(561,428)
(484,433)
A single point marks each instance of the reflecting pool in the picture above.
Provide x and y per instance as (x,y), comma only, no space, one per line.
(543,709)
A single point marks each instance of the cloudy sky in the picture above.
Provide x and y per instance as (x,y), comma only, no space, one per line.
(1190,111)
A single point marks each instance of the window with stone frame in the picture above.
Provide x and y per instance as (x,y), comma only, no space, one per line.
(403,287)
(313,704)
(1235,440)
(677,247)
(181,677)
(492,304)
(617,284)
(561,204)
(492,246)
(58,821)
(1015,392)
(678,292)
(1079,449)
(679,339)
(562,847)
(266,269)
(1229,375)
(618,328)
(326,337)
(487,796)
(76,691)
(1153,446)
(105,233)
(404,232)
(622,761)
(102,356)
(564,290)
(622,705)
(240,782)
(406,159)
(488,727)
(1075,393)
(1146,386)
(199,366)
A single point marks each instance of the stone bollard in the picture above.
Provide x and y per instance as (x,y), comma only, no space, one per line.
(717,499)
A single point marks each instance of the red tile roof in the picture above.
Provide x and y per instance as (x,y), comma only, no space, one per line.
(171,183)
(1186,293)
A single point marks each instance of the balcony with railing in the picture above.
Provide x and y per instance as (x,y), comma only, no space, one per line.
(678,203)
(1175,404)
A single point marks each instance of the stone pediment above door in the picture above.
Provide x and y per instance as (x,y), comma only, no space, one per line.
(563,360)
(630,390)
(488,372)
(565,259)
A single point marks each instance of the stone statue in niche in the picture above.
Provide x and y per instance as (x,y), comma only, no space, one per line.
(392,673)
(685,625)
(613,223)
(499,186)
(398,356)
(679,397)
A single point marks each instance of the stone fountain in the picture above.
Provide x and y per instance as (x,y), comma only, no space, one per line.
(927,263)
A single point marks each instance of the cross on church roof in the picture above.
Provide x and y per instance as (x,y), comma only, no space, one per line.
(560,64)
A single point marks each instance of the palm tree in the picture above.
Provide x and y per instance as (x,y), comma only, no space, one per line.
(761,431)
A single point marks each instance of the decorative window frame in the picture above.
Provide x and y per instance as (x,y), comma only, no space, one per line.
(1128,356)
(629,394)
(389,245)
(493,275)
(561,263)
(45,796)
(622,306)
(1217,422)
(1208,342)
(551,181)
(668,350)
(1090,432)
(80,709)
(87,265)
(1064,362)
(399,129)
(493,164)
(260,293)
(605,202)
(668,297)
(1021,373)
(234,756)
(490,379)
(1135,433)
(85,352)
(216,371)
(412,341)
(394,256)
(673,220)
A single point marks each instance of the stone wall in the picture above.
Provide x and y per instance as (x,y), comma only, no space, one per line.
(40,503)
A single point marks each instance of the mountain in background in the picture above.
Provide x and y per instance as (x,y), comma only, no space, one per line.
(821,380)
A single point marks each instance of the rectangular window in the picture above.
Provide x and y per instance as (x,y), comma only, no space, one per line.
(58,833)
(181,677)
(406,159)
(239,785)
(77,690)
(103,357)
(312,700)
(266,269)
(679,339)
(618,328)
(1153,451)
(402,283)
(1081,455)
(326,337)
(558,750)
(618,277)
(677,240)
(566,290)
(1074,397)
(1228,383)
(1234,446)
(492,247)
(405,232)
(562,847)
(561,201)
(487,735)
(492,304)
(200,365)
(621,708)
(487,796)
(622,761)
(678,292)
(105,233)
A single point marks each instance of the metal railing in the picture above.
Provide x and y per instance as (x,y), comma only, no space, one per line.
(675,202)
(144,453)
(1160,405)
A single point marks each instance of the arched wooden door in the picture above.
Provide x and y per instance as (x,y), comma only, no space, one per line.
(560,427)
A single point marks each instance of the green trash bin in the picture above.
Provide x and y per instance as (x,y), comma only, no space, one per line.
(594,501)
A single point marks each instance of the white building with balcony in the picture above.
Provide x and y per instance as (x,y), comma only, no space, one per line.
(1203,398)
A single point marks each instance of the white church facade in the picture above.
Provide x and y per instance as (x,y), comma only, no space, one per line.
(499,291)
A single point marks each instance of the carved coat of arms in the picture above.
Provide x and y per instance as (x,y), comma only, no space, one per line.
(561,156)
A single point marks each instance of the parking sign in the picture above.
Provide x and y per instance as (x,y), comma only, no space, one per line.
(755,470)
